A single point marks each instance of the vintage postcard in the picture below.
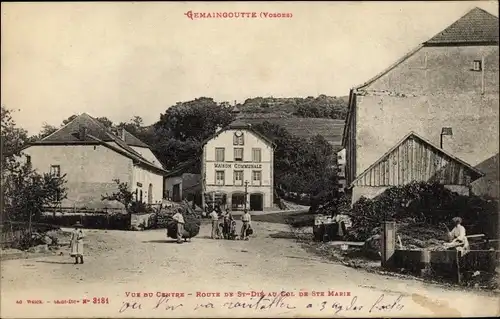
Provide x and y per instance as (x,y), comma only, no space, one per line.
(250,159)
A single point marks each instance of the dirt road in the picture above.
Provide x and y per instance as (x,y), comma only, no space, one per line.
(121,263)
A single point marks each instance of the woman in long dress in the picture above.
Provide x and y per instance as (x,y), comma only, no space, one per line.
(458,238)
(77,243)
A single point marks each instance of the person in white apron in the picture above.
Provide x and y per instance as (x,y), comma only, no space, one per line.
(458,238)
(77,243)
(247,223)
(179,218)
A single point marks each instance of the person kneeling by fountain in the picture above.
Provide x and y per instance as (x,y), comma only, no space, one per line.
(458,238)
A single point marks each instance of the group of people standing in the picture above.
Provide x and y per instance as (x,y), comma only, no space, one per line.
(224,224)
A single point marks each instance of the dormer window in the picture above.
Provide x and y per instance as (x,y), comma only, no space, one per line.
(477,65)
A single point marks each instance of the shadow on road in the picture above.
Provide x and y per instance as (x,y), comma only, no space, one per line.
(283,235)
(162,241)
(56,262)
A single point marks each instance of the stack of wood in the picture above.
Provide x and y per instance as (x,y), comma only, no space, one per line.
(192,222)
(165,214)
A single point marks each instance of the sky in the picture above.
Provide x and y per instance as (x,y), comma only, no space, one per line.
(128,58)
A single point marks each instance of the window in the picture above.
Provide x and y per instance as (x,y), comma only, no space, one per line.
(238,177)
(238,154)
(238,138)
(477,65)
(256,155)
(219,154)
(140,199)
(55,170)
(219,177)
(256,177)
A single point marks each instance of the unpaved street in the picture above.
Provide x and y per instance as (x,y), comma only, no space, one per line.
(119,263)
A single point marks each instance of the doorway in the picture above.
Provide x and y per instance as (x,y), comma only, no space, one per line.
(256,202)
(176,193)
(237,201)
(150,194)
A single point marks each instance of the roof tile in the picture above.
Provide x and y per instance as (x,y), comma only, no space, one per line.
(477,26)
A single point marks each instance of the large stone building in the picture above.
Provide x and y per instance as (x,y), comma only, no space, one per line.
(91,157)
(446,91)
(237,169)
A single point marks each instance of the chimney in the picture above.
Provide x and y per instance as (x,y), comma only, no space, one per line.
(123,134)
(82,133)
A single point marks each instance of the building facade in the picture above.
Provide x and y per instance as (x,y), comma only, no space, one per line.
(237,169)
(446,91)
(91,158)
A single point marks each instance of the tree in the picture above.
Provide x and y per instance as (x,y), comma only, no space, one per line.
(137,121)
(122,195)
(126,197)
(178,135)
(69,119)
(302,165)
(26,192)
(196,120)
(47,129)
(105,121)
(12,137)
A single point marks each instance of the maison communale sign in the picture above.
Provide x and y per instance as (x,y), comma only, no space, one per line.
(237,166)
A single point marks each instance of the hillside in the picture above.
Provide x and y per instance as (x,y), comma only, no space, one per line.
(320,107)
(489,183)
(304,127)
(303,117)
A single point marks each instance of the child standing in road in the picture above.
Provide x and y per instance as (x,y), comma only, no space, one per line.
(77,243)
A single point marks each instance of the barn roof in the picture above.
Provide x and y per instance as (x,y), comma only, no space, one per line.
(474,172)
(476,27)
(132,140)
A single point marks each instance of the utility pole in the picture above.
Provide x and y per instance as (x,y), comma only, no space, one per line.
(246,194)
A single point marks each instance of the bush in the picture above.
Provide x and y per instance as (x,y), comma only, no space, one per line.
(95,220)
(422,203)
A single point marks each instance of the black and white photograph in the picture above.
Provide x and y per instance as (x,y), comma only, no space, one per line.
(238,159)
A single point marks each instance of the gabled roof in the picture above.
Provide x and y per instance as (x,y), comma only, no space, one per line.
(475,173)
(181,168)
(476,27)
(96,133)
(132,140)
(68,133)
(241,126)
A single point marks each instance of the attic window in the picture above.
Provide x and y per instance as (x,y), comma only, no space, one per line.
(477,65)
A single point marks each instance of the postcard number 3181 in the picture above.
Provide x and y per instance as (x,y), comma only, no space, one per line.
(101,300)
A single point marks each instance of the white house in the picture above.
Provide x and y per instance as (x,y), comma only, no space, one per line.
(237,168)
(92,157)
